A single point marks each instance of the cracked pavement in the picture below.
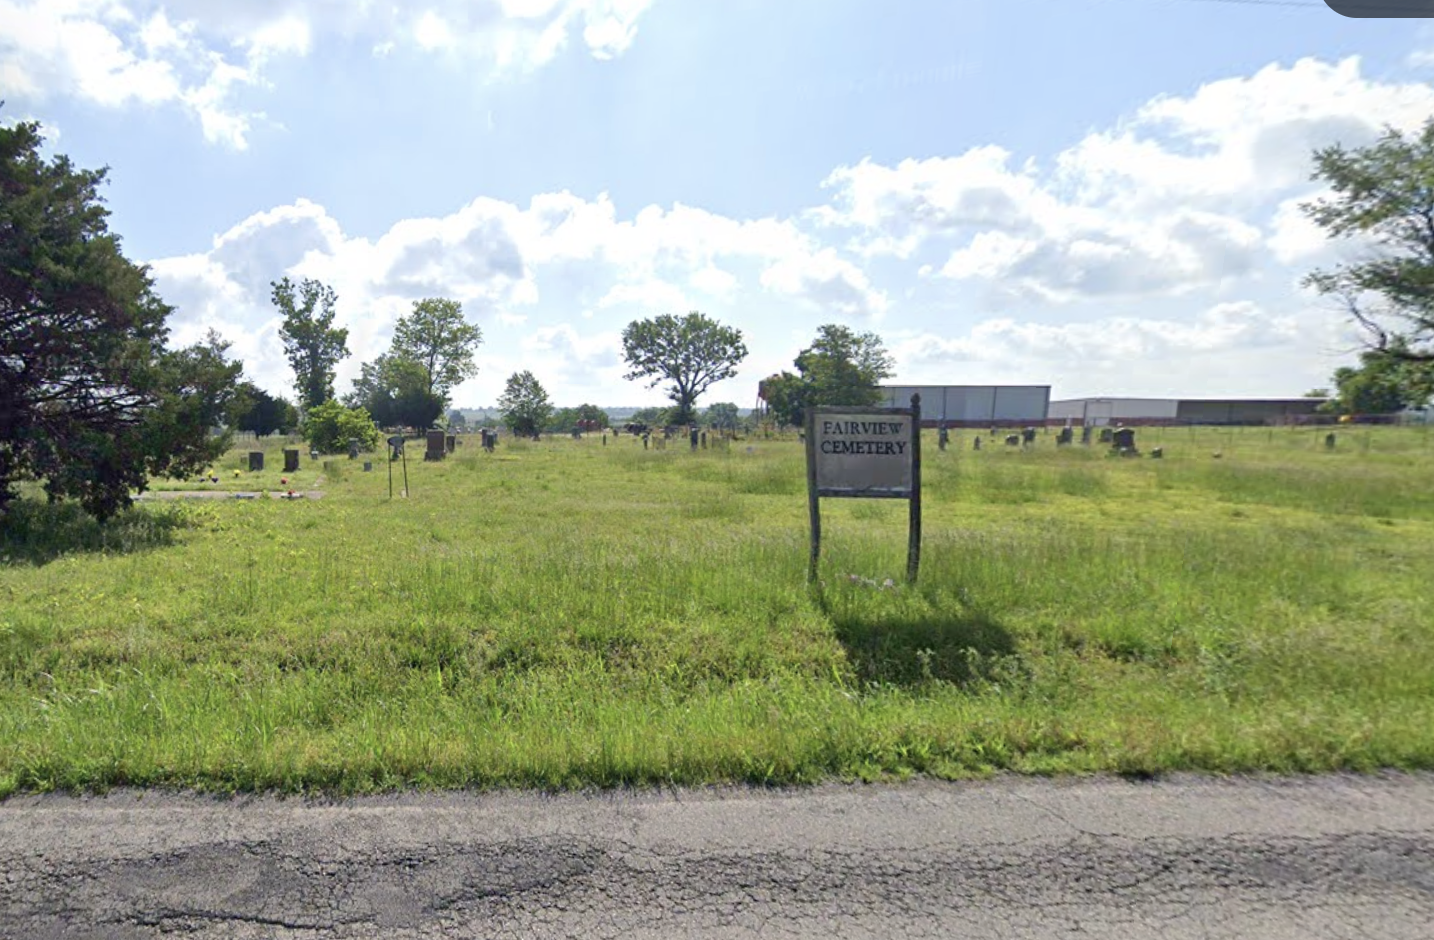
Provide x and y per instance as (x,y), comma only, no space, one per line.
(1337,856)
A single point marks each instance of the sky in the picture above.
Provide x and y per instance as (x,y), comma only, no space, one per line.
(1102,196)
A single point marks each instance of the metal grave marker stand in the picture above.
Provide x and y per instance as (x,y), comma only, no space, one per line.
(865,453)
(396,444)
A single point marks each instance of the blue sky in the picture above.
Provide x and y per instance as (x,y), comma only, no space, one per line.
(1098,195)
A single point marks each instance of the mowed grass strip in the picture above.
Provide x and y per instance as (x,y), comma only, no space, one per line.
(565,614)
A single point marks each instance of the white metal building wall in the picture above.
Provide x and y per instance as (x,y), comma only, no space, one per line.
(1103,410)
(1002,404)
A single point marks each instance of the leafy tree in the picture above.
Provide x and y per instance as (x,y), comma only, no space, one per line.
(1383,193)
(457,419)
(592,416)
(436,336)
(1317,393)
(330,426)
(524,405)
(394,391)
(841,367)
(724,416)
(581,418)
(312,343)
(258,412)
(92,400)
(562,421)
(653,417)
(786,398)
(1384,383)
(690,352)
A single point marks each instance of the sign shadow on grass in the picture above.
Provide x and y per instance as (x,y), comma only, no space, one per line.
(962,647)
(34,532)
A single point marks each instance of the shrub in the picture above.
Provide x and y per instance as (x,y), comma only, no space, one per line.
(329,428)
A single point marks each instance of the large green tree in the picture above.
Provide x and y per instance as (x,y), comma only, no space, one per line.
(436,336)
(723,415)
(394,390)
(524,404)
(1383,383)
(841,367)
(690,352)
(93,401)
(1383,194)
(313,345)
(256,411)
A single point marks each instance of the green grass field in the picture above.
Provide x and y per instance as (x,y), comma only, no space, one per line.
(562,614)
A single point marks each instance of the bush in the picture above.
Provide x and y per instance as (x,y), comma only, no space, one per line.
(329,428)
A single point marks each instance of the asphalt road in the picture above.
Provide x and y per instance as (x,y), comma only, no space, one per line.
(1308,858)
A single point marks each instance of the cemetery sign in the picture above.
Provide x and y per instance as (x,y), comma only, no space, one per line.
(865,453)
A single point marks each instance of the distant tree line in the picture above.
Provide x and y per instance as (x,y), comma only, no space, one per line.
(95,399)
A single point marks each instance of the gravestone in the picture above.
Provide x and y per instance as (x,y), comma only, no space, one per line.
(1028,436)
(1085,434)
(291,460)
(1105,435)
(451,442)
(704,440)
(368,466)
(1013,440)
(1123,438)
(1065,436)
(256,461)
(435,449)
(976,444)
(644,441)
(943,437)
(353,448)
(692,436)
(395,447)
(1329,441)
(313,453)
(1157,453)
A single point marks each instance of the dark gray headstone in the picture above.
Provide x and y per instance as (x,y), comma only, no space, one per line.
(256,460)
(1329,441)
(1123,438)
(436,446)
(291,460)
(353,448)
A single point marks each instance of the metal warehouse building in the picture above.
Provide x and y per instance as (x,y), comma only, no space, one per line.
(1101,411)
(973,405)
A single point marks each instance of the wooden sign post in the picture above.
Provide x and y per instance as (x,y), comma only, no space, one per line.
(865,453)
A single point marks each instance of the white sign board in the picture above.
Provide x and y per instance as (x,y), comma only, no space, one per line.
(863,454)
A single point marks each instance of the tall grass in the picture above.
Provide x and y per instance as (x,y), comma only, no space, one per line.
(562,613)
